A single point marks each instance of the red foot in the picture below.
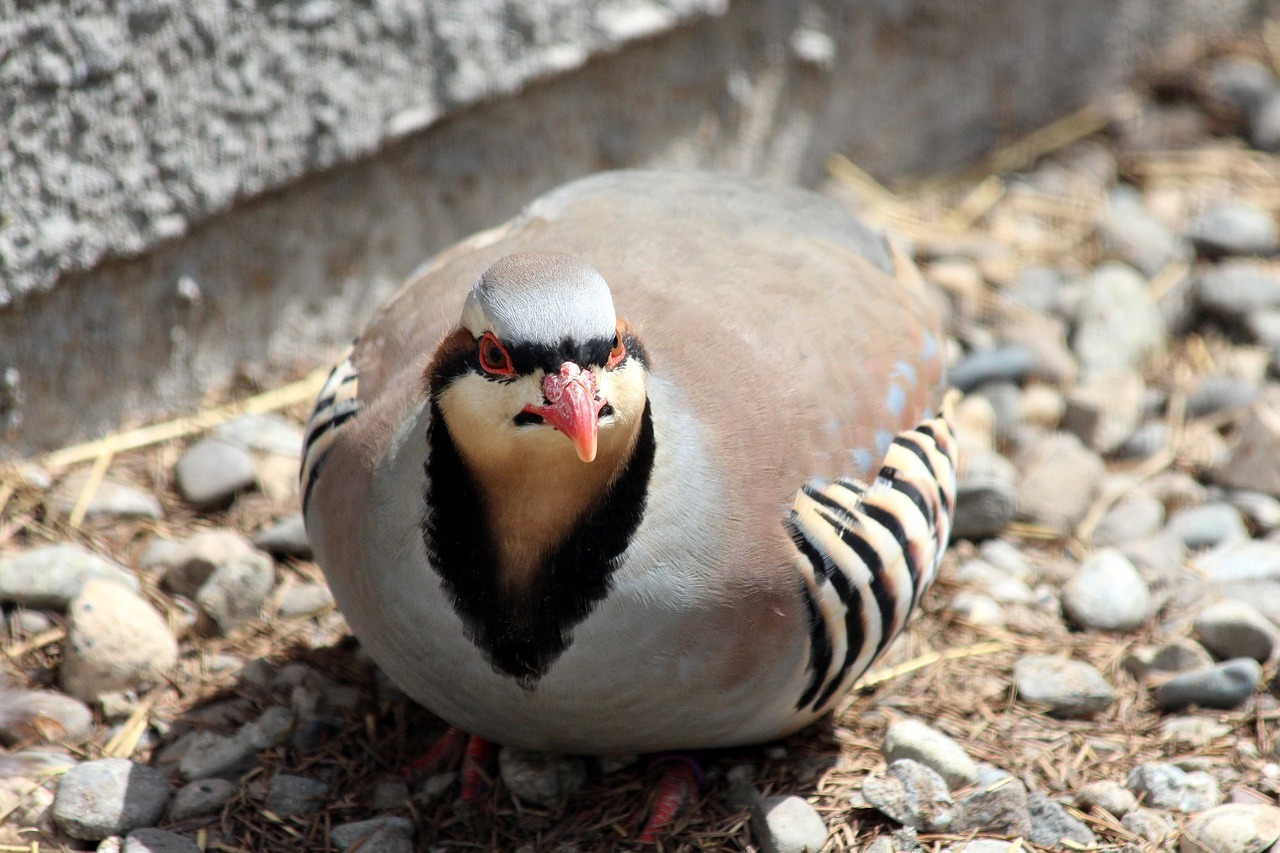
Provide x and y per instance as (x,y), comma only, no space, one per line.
(676,787)
(440,756)
(474,780)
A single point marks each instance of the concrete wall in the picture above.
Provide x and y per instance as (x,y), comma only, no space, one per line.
(196,189)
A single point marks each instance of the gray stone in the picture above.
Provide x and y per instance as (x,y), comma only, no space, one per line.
(1234,629)
(1180,655)
(1254,462)
(1194,731)
(1264,124)
(1134,516)
(1010,363)
(1145,441)
(1000,809)
(1233,828)
(1164,786)
(42,715)
(1060,478)
(1045,338)
(1214,393)
(201,798)
(1038,288)
(1119,325)
(295,796)
(1208,525)
(50,576)
(267,432)
(1105,409)
(433,787)
(1108,795)
(1262,510)
(1107,594)
(1235,289)
(1007,558)
(27,623)
(210,473)
(1051,825)
(1005,399)
(387,833)
(110,796)
(787,825)
(228,578)
(286,537)
(158,841)
(1255,560)
(1149,824)
(115,641)
(213,755)
(390,794)
(305,599)
(997,584)
(1070,688)
(911,793)
(1240,81)
(1133,235)
(1233,228)
(540,778)
(986,496)
(976,608)
(1224,686)
(111,499)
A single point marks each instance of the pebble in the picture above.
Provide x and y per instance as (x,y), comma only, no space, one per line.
(304,599)
(1005,399)
(387,833)
(266,432)
(1255,560)
(1108,795)
(1150,824)
(1042,406)
(286,537)
(1233,828)
(277,478)
(1264,124)
(1164,786)
(1046,339)
(913,739)
(26,623)
(976,608)
(1236,289)
(42,715)
(111,499)
(1119,326)
(1038,288)
(1107,594)
(1132,234)
(433,787)
(1145,441)
(390,794)
(1262,510)
(787,825)
(210,473)
(1241,81)
(1213,394)
(995,583)
(295,796)
(998,810)
(541,778)
(1134,516)
(1010,363)
(1070,688)
(1051,825)
(1254,462)
(912,794)
(1235,629)
(47,578)
(1233,228)
(201,798)
(1007,558)
(109,796)
(1179,655)
(986,496)
(115,641)
(213,755)
(1208,525)
(1195,731)
(1105,409)
(1223,686)
(158,841)
(228,578)
(1060,479)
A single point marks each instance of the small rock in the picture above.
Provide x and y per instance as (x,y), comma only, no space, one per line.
(1224,686)
(295,796)
(228,578)
(1108,795)
(1038,288)
(1254,463)
(390,794)
(115,641)
(386,833)
(1005,399)
(998,810)
(201,798)
(1195,731)
(1107,594)
(1240,81)
(1051,825)
(1070,688)
(1234,828)
(1042,406)
(540,778)
(433,787)
(210,473)
(1214,394)
(1150,824)
(110,796)
(1234,629)
(28,623)
(976,608)
(1134,516)
(1262,510)
(1119,325)
(1235,289)
(983,576)
(1208,525)
(1233,228)
(1046,339)
(267,432)
(787,825)
(212,755)
(35,715)
(285,538)
(1060,478)
(986,496)
(1007,558)
(158,841)
(277,478)
(1164,786)
(911,793)
(914,740)
(1264,124)
(1131,233)
(1011,363)
(1105,409)
(1145,441)
(110,499)
(1181,655)
(305,599)
(47,578)
(1239,562)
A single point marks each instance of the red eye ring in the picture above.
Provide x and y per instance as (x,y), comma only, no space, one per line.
(619,351)
(494,358)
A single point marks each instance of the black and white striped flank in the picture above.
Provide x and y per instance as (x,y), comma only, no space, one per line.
(335,405)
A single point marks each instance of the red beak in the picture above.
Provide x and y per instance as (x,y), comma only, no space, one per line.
(573,407)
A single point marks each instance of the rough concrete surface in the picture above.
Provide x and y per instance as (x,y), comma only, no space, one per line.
(192,189)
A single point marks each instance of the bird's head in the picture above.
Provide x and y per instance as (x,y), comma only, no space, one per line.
(542,366)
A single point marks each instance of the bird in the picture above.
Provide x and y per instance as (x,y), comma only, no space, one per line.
(658,465)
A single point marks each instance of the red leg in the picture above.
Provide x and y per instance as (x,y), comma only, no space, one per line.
(474,780)
(678,784)
(441,755)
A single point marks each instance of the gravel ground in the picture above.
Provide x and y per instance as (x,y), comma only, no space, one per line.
(1094,669)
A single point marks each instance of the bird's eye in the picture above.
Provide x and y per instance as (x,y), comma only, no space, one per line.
(494,357)
(618,352)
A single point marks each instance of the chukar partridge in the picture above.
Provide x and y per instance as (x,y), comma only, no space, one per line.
(653,466)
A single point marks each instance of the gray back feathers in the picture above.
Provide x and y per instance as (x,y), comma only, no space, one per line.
(540,297)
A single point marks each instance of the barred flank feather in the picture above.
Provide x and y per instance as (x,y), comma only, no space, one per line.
(335,404)
(868,553)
